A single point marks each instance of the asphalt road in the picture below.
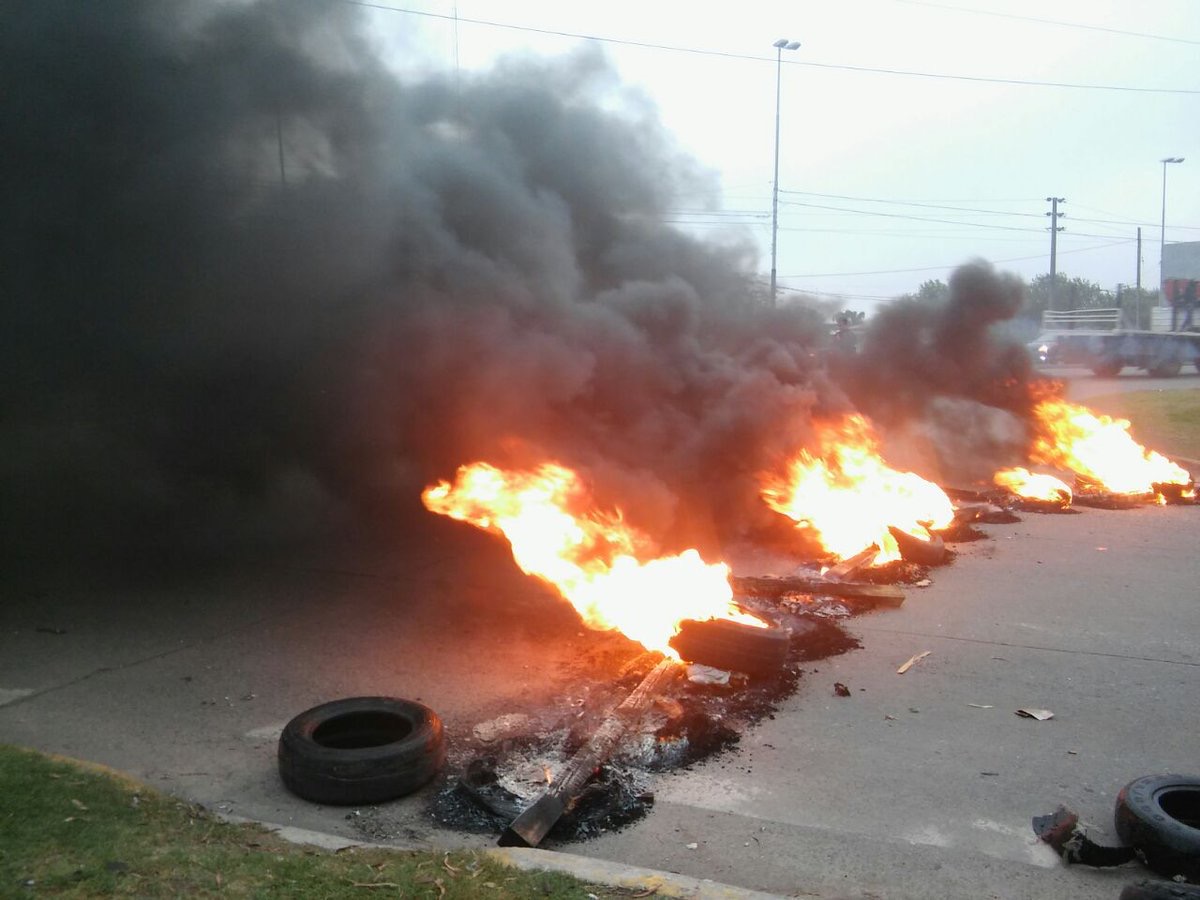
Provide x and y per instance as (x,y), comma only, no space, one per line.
(916,786)
(1082,384)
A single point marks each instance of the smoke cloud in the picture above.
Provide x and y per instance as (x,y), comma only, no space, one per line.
(259,289)
(941,376)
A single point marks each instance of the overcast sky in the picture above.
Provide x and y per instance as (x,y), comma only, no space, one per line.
(870,160)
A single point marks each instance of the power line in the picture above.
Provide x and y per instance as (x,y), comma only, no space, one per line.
(1081,25)
(957,222)
(992,212)
(889,215)
(646,45)
(953,265)
(940,234)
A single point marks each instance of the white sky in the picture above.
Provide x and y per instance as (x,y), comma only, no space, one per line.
(892,141)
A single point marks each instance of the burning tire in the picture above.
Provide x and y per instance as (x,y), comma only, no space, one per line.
(361,750)
(926,552)
(1159,815)
(734,646)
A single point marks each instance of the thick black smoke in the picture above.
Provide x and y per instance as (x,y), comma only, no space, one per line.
(942,372)
(258,289)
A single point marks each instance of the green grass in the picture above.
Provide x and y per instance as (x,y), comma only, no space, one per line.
(72,830)
(1167,420)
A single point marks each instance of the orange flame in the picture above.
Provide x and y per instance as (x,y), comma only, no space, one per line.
(1034,485)
(1100,449)
(595,561)
(849,496)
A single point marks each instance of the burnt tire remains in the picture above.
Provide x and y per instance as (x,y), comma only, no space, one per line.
(924,551)
(361,750)
(1160,890)
(1160,816)
(735,646)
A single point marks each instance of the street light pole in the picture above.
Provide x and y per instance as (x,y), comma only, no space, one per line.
(780,45)
(1162,234)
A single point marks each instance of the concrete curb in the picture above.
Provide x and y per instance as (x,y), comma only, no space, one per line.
(600,871)
(596,871)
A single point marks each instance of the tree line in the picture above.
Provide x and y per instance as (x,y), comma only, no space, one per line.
(1069,293)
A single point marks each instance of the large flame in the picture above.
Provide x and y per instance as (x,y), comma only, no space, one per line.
(1034,485)
(602,566)
(848,496)
(1100,449)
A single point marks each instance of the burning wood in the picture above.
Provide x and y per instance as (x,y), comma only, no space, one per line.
(532,825)
(1035,487)
(601,565)
(778,586)
(1176,493)
(849,498)
(1100,449)
(1093,494)
(847,567)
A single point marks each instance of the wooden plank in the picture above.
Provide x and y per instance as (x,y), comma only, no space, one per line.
(531,826)
(776,586)
(850,565)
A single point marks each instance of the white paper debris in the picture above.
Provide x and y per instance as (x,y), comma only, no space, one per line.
(1040,714)
(698,674)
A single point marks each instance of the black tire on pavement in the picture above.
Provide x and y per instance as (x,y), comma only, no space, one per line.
(1107,367)
(734,646)
(1160,890)
(361,750)
(1159,815)
(919,550)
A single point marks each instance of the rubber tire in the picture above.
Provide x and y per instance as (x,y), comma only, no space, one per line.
(733,646)
(1160,890)
(1169,845)
(917,550)
(361,750)
(1167,368)
(1107,367)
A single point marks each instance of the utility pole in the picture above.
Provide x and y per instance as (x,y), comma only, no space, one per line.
(1055,228)
(279,144)
(780,45)
(1139,259)
(1162,231)
(1139,279)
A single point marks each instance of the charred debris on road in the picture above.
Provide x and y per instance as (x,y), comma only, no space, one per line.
(587,764)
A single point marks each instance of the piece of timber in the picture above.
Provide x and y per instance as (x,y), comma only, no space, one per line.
(528,829)
(1108,500)
(850,565)
(776,586)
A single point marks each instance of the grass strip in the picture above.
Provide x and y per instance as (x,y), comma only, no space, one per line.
(68,829)
(1164,420)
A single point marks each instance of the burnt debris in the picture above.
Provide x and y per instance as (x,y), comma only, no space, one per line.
(525,779)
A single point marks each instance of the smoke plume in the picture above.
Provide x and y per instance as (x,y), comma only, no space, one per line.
(941,375)
(260,289)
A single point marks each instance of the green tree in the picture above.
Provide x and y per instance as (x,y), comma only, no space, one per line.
(851,316)
(1069,293)
(934,291)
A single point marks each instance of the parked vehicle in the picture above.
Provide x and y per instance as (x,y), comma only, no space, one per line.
(1102,341)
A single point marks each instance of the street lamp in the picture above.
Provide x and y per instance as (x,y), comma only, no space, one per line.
(780,45)
(1162,235)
